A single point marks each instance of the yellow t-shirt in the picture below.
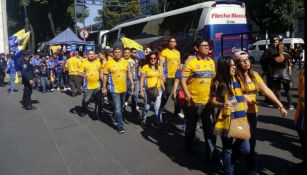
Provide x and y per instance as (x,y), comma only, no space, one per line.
(92,71)
(171,60)
(152,77)
(73,65)
(250,89)
(199,74)
(117,72)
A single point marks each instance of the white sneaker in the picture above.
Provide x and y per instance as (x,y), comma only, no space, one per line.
(58,89)
(181,115)
(65,88)
(126,103)
(68,88)
(52,90)
(137,107)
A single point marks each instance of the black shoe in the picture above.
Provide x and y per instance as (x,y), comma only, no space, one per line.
(158,125)
(30,108)
(15,90)
(121,130)
(82,114)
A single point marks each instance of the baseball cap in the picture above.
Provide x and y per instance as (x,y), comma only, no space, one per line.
(108,49)
(240,54)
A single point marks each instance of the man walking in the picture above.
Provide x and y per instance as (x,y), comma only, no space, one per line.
(73,65)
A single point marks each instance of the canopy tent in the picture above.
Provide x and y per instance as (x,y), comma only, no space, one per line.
(66,37)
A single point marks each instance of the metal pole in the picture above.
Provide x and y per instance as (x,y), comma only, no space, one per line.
(75,16)
(3,23)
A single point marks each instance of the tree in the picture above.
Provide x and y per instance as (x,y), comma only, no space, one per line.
(274,15)
(121,10)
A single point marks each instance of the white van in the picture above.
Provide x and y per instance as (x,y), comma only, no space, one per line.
(256,50)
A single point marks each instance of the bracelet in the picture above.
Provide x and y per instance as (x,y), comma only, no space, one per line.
(279,108)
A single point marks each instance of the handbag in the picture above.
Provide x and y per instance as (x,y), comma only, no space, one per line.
(239,129)
(152,93)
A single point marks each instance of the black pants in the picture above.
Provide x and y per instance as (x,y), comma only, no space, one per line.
(168,89)
(251,157)
(26,98)
(75,84)
(276,87)
(206,114)
(2,76)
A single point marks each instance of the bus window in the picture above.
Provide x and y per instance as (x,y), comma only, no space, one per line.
(112,37)
(261,47)
(151,29)
(133,31)
(181,23)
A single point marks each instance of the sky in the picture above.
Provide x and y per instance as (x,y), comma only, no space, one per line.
(93,12)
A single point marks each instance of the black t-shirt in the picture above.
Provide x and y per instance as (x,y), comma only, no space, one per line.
(280,61)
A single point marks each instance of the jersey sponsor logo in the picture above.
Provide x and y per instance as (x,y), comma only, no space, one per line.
(202,74)
(24,66)
(197,66)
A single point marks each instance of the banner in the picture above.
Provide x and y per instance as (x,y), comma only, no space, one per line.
(133,44)
(18,43)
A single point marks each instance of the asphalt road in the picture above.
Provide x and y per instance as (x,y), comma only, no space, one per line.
(55,140)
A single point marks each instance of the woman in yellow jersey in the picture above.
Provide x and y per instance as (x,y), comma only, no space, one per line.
(152,76)
(251,83)
(227,96)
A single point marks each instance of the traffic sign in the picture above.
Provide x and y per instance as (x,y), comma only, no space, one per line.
(84,34)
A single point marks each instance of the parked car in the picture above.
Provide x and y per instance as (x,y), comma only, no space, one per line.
(256,50)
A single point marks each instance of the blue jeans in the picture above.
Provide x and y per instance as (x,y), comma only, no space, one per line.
(134,94)
(156,105)
(90,94)
(232,151)
(119,105)
(45,83)
(12,82)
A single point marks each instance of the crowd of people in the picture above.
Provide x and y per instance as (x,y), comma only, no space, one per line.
(204,90)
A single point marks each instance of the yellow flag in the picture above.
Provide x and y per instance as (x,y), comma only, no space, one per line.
(24,37)
(16,78)
(131,43)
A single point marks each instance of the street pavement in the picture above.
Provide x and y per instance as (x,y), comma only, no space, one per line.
(54,140)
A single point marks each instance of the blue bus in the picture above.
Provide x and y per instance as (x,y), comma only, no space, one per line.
(222,23)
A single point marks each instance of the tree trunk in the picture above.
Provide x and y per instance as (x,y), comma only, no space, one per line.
(32,39)
(51,23)
(27,25)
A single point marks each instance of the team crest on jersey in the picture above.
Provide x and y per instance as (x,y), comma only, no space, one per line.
(211,66)
(24,66)
(197,66)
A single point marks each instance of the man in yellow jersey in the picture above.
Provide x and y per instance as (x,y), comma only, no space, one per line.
(197,75)
(115,72)
(91,71)
(170,62)
(74,65)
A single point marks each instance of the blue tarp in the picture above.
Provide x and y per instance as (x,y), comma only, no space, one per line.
(66,37)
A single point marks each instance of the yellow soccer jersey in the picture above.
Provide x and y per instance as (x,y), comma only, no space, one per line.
(199,74)
(153,77)
(171,60)
(73,65)
(250,89)
(117,75)
(92,71)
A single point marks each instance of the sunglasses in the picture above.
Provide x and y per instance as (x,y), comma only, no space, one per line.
(153,58)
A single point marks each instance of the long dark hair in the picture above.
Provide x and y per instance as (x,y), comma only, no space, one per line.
(148,60)
(241,77)
(223,79)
